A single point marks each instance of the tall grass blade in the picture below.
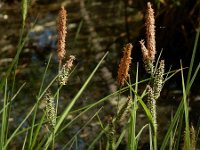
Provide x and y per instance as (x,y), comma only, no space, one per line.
(24,11)
(24,143)
(187,128)
(37,131)
(146,110)
(194,76)
(140,132)
(175,120)
(132,125)
(193,56)
(4,118)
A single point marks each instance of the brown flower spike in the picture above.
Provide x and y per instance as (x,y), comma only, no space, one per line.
(150,32)
(124,64)
(62,30)
(145,52)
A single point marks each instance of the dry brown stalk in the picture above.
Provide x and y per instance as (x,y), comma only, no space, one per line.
(62,31)
(124,64)
(150,31)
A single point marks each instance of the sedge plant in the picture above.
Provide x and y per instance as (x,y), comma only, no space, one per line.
(55,124)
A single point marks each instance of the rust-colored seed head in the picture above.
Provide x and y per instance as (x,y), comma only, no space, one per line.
(150,31)
(62,30)
(145,52)
(69,62)
(124,64)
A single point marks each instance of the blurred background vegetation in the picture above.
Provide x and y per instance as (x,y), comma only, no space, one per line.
(94,27)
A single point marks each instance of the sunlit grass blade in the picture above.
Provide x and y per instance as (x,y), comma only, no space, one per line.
(193,56)
(24,11)
(140,132)
(132,124)
(24,143)
(4,117)
(37,131)
(194,76)
(174,121)
(186,111)
(145,108)
(150,118)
